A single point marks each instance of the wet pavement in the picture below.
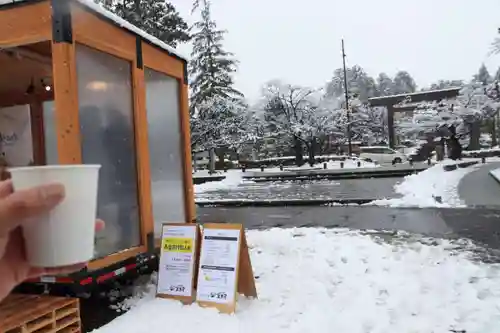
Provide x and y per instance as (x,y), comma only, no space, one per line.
(478,188)
(479,225)
(372,188)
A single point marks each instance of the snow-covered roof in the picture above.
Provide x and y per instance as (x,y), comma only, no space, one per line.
(419,93)
(118,21)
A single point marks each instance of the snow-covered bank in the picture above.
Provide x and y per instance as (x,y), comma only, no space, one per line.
(333,165)
(433,187)
(315,280)
(232,180)
(234,177)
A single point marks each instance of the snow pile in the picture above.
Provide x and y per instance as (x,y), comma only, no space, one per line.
(144,289)
(206,174)
(495,149)
(495,173)
(348,164)
(433,187)
(233,179)
(317,280)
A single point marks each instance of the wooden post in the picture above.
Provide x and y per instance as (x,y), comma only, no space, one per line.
(390,125)
(142,154)
(66,103)
(37,133)
(189,204)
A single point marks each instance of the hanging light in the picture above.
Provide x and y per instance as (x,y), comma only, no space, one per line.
(46,86)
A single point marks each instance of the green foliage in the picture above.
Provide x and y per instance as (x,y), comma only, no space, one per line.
(156,17)
(211,67)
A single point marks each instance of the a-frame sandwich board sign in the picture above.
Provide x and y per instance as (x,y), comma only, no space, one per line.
(178,261)
(224,268)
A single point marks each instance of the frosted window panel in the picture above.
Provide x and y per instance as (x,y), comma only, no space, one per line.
(165,148)
(49,129)
(107,135)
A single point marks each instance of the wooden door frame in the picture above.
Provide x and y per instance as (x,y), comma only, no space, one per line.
(38,132)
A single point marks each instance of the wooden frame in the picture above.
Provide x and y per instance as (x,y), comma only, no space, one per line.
(35,25)
(91,30)
(94,30)
(390,103)
(245,280)
(15,98)
(37,132)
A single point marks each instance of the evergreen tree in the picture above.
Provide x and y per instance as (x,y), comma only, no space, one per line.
(483,75)
(497,75)
(156,17)
(359,83)
(495,46)
(211,67)
(385,86)
(404,83)
(443,84)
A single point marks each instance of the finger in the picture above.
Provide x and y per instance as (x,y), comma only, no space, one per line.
(20,205)
(99,225)
(38,271)
(6,188)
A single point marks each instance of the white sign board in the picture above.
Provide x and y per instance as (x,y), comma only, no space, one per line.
(218,266)
(16,144)
(177,260)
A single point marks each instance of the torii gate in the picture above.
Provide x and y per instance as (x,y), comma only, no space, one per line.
(425,96)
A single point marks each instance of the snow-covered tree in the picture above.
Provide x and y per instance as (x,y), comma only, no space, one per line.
(156,17)
(359,84)
(483,75)
(495,46)
(211,67)
(215,104)
(464,113)
(299,113)
(497,75)
(220,123)
(305,119)
(367,124)
(443,84)
(404,83)
(385,85)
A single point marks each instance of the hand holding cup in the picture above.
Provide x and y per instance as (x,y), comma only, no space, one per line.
(16,210)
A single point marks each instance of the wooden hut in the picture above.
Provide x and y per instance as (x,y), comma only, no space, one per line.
(78,84)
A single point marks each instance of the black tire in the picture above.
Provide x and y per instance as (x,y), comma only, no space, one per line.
(397,160)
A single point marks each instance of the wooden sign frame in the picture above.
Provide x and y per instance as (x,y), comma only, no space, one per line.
(245,281)
(183,299)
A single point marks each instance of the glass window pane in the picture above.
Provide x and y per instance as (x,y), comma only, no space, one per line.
(107,134)
(165,148)
(49,129)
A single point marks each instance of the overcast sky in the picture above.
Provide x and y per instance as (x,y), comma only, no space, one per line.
(299,41)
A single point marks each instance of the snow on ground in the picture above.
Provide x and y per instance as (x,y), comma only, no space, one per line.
(487,150)
(234,177)
(206,174)
(318,280)
(232,180)
(433,187)
(348,164)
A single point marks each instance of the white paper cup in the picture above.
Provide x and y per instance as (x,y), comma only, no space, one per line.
(65,236)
